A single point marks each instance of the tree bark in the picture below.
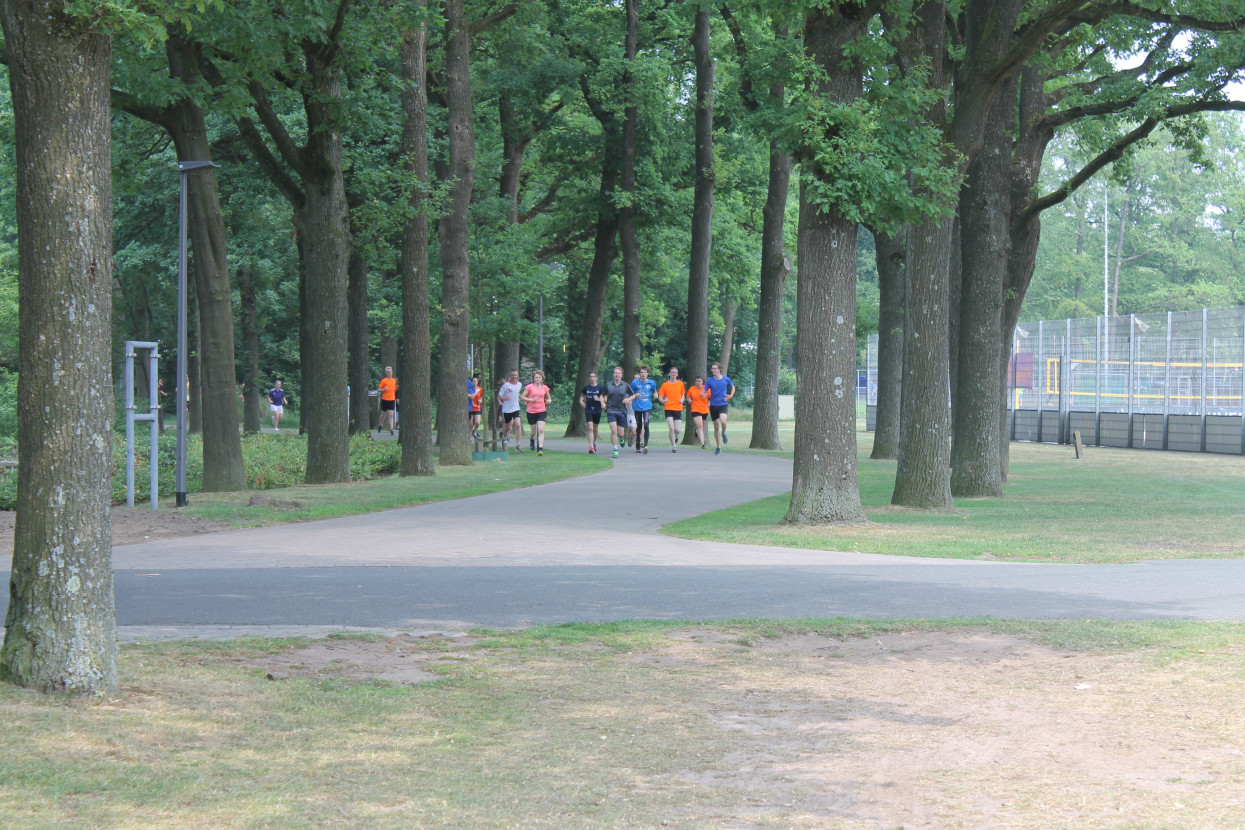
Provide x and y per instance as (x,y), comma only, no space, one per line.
(985,220)
(627,239)
(702,207)
(60,633)
(729,312)
(452,433)
(825,486)
(774,270)
(360,378)
(416,437)
(218,380)
(252,390)
(892,257)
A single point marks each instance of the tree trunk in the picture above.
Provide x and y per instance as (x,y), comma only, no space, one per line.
(985,222)
(605,250)
(61,633)
(416,378)
(323,223)
(360,377)
(892,257)
(253,406)
(702,207)
(627,240)
(825,486)
(452,433)
(218,380)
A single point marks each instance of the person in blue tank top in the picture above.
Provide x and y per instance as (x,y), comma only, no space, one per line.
(721,390)
(644,390)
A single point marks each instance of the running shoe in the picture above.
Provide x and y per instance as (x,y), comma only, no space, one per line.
(674,449)
(717,451)
(724,441)
(540,452)
(646,449)
(702,446)
(616,453)
(531,443)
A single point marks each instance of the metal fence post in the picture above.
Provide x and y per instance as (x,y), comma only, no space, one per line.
(1040,371)
(1205,321)
(1098,364)
(1132,377)
(1167,384)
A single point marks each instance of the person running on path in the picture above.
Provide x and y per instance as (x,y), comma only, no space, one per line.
(590,398)
(276,405)
(698,395)
(721,390)
(671,395)
(388,387)
(536,396)
(642,404)
(508,398)
(617,397)
(475,403)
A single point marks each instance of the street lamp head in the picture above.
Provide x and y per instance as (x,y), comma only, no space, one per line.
(187,166)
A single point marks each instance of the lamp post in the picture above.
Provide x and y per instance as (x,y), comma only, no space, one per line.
(181,387)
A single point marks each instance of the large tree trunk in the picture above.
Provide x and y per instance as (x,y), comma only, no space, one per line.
(416,438)
(825,485)
(702,208)
(252,390)
(452,433)
(60,633)
(323,222)
(605,251)
(627,213)
(892,257)
(358,368)
(985,220)
(218,381)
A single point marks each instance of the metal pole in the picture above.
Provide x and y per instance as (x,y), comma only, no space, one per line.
(1098,350)
(153,426)
(129,425)
(1132,378)
(1205,349)
(181,387)
(1167,386)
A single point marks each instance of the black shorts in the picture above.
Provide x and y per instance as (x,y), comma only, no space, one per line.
(533,418)
(716,412)
(510,416)
(385,406)
(592,417)
(677,414)
(699,415)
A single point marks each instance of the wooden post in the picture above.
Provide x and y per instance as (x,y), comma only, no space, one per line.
(1076,443)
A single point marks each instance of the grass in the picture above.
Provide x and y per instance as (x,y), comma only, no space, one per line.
(326,501)
(644,725)
(1111,506)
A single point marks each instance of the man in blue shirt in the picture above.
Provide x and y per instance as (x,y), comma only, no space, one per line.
(642,405)
(721,390)
(590,398)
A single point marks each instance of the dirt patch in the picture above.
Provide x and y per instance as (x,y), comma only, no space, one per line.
(133,525)
(916,730)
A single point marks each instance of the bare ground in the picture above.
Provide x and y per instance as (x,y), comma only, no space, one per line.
(132,525)
(964,729)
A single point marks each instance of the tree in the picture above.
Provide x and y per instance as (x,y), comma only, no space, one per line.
(60,633)
(702,207)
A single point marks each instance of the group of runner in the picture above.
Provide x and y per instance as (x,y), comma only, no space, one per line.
(628,408)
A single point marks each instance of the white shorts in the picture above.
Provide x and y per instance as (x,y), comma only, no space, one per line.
(280,410)
(631,419)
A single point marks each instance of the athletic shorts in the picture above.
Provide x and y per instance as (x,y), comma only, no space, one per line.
(631,419)
(677,414)
(716,412)
(473,412)
(699,416)
(385,406)
(619,418)
(510,416)
(592,417)
(277,408)
(533,418)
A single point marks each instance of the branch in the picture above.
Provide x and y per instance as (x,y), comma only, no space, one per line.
(286,147)
(132,105)
(1059,119)
(489,21)
(1116,151)
(561,246)
(1187,21)
(741,51)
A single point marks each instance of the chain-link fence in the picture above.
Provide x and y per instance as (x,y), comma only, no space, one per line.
(1169,381)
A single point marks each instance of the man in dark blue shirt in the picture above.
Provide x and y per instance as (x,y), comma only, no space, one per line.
(590,398)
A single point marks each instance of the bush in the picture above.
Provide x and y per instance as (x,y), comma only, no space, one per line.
(270,461)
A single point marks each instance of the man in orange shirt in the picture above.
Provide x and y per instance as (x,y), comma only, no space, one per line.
(671,395)
(388,387)
(698,395)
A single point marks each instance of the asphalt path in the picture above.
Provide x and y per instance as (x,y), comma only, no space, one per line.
(589,549)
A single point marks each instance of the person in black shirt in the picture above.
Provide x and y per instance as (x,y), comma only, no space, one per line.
(591,397)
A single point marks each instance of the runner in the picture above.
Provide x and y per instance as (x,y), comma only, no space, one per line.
(699,397)
(508,398)
(721,390)
(590,398)
(642,404)
(617,397)
(475,406)
(536,396)
(671,395)
(276,405)
(388,387)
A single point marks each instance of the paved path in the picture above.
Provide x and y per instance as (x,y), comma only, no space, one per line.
(588,549)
